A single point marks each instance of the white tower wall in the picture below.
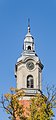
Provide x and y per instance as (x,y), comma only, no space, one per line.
(28,69)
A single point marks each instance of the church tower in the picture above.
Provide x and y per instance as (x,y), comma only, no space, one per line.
(28,68)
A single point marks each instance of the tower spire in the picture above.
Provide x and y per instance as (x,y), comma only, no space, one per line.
(28,25)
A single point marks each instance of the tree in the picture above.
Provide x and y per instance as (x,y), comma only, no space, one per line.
(40,106)
(11,104)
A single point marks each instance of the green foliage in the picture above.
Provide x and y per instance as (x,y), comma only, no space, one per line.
(40,108)
(13,106)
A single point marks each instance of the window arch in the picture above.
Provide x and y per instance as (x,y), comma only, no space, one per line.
(29,47)
(30,81)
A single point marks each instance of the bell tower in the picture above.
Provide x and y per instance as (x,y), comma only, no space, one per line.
(28,68)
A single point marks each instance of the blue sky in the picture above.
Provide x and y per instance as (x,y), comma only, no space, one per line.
(14,16)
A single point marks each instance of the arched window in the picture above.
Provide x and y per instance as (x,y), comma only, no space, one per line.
(29,47)
(30,81)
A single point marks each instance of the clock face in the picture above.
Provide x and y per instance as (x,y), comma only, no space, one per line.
(30,65)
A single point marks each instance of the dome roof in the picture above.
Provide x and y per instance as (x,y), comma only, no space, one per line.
(28,37)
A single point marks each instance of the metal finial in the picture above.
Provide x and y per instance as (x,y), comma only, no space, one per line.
(28,22)
(28,25)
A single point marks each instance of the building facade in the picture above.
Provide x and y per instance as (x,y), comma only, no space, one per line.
(28,68)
